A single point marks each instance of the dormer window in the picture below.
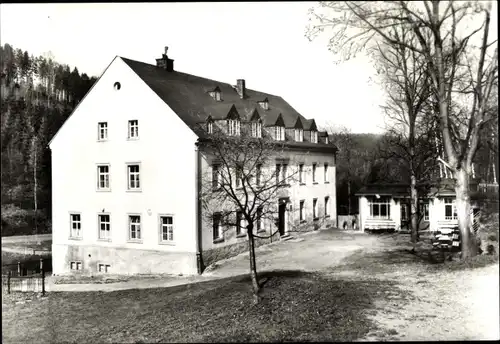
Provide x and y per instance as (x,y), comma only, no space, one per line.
(279,133)
(264,104)
(257,129)
(326,140)
(299,135)
(216,94)
(314,136)
(233,127)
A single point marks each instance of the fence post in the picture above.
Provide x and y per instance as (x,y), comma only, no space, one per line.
(19,268)
(8,282)
(43,282)
(41,264)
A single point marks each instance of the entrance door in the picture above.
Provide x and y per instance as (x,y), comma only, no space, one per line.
(281,218)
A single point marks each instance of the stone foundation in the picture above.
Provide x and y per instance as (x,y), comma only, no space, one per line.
(121,260)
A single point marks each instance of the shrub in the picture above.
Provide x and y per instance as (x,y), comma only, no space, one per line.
(18,221)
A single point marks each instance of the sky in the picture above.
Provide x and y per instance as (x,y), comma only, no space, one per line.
(263,43)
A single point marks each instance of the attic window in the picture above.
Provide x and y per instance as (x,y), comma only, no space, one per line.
(299,135)
(264,104)
(216,94)
(257,129)
(279,133)
(233,127)
(117,86)
(314,136)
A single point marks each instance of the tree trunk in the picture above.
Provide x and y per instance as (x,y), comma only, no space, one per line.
(413,208)
(349,197)
(253,264)
(35,190)
(468,239)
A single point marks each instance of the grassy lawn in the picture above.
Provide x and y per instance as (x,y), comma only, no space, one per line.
(296,306)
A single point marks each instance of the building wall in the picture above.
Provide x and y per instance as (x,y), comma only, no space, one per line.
(295,192)
(166,153)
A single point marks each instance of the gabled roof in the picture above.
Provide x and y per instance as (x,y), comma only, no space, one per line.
(309,124)
(187,95)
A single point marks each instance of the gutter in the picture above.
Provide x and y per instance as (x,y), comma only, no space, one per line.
(199,258)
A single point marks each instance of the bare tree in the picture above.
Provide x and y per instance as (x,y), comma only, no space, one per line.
(242,188)
(462,72)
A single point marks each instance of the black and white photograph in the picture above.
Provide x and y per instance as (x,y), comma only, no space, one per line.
(177,172)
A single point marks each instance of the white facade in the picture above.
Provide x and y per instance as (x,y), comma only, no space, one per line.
(165,151)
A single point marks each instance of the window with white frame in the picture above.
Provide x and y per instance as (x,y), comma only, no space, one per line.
(102,131)
(103,177)
(217,226)
(302,216)
(284,171)
(133,129)
(216,182)
(326,174)
(233,127)
(210,127)
(133,177)
(134,227)
(314,173)
(104,226)
(76,225)
(380,208)
(239,223)
(314,136)
(302,179)
(450,209)
(279,133)
(167,228)
(326,140)
(299,135)
(327,206)
(257,129)
(259,219)
(315,208)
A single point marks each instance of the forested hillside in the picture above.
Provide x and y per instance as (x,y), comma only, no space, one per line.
(37,96)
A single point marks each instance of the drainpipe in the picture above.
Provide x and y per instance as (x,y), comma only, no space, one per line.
(199,258)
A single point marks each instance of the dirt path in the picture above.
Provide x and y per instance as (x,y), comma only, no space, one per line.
(309,252)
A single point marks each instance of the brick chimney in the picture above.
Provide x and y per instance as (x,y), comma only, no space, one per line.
(165,62)
(240,88)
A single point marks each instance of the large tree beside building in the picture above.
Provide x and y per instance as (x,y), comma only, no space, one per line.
(454,39)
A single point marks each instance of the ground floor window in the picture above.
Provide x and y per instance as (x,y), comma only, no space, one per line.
(380,208)
(217,226)
(166,228)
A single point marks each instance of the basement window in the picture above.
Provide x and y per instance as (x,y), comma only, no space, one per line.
(75,265)
(103,267)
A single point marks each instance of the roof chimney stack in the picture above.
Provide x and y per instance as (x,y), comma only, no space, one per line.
(165,63)
(240,88)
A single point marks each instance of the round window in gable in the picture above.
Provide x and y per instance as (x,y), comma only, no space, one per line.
(117,86)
